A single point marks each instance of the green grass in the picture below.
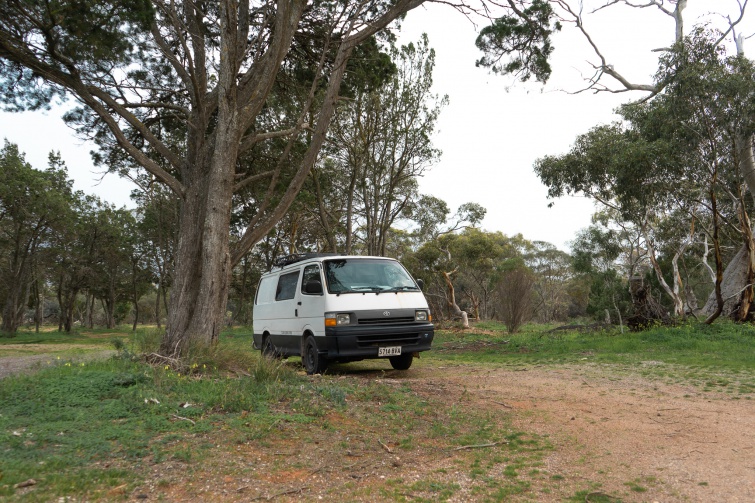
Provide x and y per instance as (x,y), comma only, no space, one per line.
(722,346)
(50,335)
(715,358)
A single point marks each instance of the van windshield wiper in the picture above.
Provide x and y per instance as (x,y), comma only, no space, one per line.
(359,289)
(399,289)
(366,289)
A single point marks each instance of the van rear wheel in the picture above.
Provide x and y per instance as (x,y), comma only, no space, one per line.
(401,362)
(314,363)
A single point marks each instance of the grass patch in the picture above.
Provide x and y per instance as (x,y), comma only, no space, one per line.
(61,425)
(717,357)
(722,345)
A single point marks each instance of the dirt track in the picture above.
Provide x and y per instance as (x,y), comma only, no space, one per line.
(624,432)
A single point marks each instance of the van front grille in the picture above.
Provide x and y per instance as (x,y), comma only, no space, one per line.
(404,320)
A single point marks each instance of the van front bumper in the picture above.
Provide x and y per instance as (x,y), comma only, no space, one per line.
(357,342)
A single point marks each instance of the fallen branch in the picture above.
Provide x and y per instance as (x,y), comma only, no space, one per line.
(281,493)
(503,404)
(156,358)
(479,446)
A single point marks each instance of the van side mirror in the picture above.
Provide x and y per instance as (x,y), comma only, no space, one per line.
(313,287)
(421,284)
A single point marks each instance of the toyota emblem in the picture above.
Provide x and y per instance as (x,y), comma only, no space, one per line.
(386,313)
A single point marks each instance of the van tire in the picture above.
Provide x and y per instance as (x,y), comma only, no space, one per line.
(402,362)
(269,350)
(313,361)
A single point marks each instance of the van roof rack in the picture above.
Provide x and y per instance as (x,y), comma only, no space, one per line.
(298,257)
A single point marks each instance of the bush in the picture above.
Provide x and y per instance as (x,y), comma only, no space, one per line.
(515,292)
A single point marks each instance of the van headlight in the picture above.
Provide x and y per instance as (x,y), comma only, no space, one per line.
(422,316)
(335,319)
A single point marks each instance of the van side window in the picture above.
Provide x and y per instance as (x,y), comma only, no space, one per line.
(287,286)
(311,274)
(266,290)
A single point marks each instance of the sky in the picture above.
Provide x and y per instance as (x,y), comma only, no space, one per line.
(492,131)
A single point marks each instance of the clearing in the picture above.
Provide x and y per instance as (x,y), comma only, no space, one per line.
(604,433)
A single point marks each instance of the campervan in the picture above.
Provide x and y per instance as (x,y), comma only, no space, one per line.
(341,308)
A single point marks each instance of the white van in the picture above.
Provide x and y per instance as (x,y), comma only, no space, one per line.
(327,307)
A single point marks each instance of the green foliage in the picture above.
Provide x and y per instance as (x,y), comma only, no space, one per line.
(34,206)
(91,33)
(381,142)
(595,251)
(669,173)
(524,37)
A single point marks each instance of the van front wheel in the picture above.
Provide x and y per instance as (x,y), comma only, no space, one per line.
(314,363)
(402,362)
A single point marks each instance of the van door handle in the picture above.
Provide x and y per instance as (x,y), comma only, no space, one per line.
(296,312)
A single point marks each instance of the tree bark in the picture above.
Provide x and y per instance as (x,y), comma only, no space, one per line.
(157,307)
(203,266)
(455,309)
(719,265)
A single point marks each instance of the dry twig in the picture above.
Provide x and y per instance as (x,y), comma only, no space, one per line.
(184,419)
(388,449)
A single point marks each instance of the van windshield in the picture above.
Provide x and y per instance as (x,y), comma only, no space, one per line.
(367,275)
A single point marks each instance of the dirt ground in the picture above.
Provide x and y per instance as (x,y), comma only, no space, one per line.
(678,442)
(615,431)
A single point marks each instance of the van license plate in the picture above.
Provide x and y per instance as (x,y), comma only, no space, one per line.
(389,351)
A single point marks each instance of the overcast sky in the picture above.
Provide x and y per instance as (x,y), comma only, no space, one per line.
(492,131)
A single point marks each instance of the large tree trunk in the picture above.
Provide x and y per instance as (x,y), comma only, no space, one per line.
(733,284)
(203,265)
(13,309)
(67,310)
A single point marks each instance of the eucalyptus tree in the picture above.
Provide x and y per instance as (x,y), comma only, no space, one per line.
(157,215)
(178,88)
(33,204)
(379,144)
(433,260)
(112,258)
(609,255)
(676,157)
(711,95)
(534,22)
(552,273)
